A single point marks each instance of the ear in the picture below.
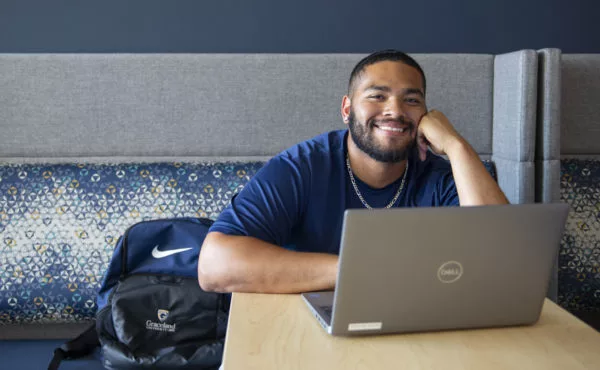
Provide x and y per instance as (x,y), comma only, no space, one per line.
(346,105)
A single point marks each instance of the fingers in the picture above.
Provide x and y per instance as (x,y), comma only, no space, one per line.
(423,146)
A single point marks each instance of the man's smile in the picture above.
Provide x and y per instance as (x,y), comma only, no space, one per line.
(393,128)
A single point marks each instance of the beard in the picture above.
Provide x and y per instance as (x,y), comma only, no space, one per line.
(363,137)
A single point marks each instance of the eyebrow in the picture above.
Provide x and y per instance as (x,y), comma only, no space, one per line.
(408,91)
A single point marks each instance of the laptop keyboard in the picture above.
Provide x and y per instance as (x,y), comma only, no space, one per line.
(327,310)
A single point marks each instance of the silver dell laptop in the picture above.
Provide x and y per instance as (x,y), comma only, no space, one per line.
(424,269)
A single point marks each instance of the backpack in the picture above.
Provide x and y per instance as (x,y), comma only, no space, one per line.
(152,312)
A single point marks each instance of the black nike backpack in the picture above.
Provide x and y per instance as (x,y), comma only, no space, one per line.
(152,313)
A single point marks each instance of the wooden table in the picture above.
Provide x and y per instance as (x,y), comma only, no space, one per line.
(278,332)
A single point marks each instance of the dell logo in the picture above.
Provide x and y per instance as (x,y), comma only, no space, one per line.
(450,271)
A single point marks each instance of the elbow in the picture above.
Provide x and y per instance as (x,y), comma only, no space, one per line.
(212,267)
(208,282)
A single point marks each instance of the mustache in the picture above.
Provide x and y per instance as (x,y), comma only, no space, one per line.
(401,120)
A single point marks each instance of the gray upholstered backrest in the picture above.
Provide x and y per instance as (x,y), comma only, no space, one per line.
(580,104)
(205,105)
(61,106)
(567,117)
(548,126)
(515,93)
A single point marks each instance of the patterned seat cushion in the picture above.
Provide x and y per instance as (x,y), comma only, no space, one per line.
(579,257)
(59,224)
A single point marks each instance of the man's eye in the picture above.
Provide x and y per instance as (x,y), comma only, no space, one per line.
(376,97)
(413,101)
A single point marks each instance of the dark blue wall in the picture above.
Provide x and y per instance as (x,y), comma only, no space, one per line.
(469,26)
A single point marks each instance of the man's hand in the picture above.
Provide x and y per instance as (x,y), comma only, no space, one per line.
(436,131)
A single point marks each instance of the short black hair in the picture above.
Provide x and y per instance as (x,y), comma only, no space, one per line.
(381,56)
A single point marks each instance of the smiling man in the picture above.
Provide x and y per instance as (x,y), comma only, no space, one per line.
(281,234)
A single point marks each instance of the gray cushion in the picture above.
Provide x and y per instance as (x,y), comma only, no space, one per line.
(460,85)
(548,107)
(580,104)
(516,179)
(69,105)
(547,184)
(515,92)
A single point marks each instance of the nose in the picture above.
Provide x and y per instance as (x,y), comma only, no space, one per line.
(393,108)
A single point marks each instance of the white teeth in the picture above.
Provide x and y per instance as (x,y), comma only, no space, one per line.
(394,129)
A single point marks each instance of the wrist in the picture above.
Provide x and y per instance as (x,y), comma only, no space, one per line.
(335,264)
(457,146)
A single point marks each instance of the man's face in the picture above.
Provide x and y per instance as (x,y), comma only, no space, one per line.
(385,108)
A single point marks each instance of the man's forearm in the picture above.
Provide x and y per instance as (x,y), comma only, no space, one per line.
(246,264)
(474,184)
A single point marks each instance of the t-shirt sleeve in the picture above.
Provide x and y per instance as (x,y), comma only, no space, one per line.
(269,206)
(448,195)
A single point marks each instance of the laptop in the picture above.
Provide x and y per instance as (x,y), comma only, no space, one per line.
(427,269)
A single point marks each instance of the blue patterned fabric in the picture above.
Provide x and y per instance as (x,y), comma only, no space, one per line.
(59,224)
(489,166)
(579,257)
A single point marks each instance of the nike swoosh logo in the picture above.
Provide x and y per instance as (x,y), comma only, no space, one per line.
(156,253)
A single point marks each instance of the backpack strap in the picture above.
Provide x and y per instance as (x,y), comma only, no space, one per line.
(81,346)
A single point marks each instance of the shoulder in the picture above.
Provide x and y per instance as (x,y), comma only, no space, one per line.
(325,143)
(316,151)
(299,162)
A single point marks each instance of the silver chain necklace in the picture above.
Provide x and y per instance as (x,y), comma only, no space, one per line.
(363,201)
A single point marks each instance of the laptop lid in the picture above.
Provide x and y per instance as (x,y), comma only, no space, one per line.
(421,269)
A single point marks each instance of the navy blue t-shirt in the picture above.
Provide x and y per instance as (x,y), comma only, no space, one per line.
(297,200)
